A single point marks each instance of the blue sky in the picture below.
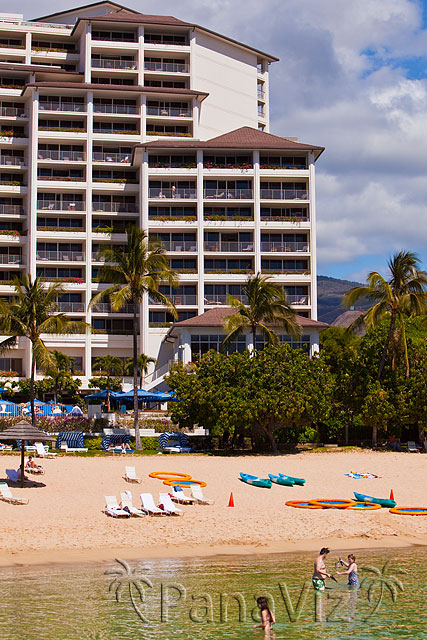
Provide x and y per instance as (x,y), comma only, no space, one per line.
(352,77)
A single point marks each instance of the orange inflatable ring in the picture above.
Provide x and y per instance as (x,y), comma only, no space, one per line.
(334,504)
(409,511)
(184,483)
(364,506)
(303,504)
(163,475)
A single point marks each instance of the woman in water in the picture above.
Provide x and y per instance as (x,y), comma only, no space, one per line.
(267,617)
(353,580)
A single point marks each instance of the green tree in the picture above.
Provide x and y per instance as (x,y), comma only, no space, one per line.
(403,295)
(143,363)
(377,410)
(32,312)
(133,271)
(109,367)
(60,373)
(267,305)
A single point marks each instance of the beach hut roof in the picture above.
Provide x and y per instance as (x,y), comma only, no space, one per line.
(24,430)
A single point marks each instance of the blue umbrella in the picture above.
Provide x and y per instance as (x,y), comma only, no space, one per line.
(4,390)
(101,395)
(144,396)
(37,403)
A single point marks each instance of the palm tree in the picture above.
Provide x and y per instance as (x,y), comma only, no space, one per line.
(34,311)
(402,296)
(110,366)
(143,365)
(60,371)
(267,305)
(135,270)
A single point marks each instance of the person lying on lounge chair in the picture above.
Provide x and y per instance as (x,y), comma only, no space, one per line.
(32,466)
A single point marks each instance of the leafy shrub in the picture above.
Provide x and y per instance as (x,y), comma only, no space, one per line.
(149,444)
(93,444)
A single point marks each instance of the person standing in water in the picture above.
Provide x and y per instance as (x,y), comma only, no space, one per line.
(353,579)
(320,573)
(267,617)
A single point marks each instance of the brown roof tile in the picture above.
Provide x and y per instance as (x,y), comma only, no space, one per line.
(215,318)
(243,138)
(123,16)
(84,6)
(116,88)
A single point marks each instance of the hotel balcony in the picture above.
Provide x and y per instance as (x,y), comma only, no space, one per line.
(284,247)
(283,194)
(222,298)
(102,129)
(105,307)
(51,204)
(116,109)
(12,161)
(115,207)
(12,260)
(61,105)
(113,64)
(111,157)
(179,246)
(159,40)
(77,232)
(72,307)
(166,67)
(228,194)
(13,135)
(169,112)
(275,163)
(61,256)
(296,300)
(12,210)
(228,247)
(12,236)
(179,299)
(284,215)
(184,193)
(123,37)
(57,175)
(13,113)
(61,129)
(61,156)
(228,266)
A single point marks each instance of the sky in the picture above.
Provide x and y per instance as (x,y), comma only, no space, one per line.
(352,77)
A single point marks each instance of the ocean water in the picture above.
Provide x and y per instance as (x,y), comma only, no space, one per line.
(213,598)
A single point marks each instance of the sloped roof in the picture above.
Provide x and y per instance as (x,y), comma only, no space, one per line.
(215,318)
(127,16)
(346,319)
(85,6)
(243,138)
(32,68)
(115,87)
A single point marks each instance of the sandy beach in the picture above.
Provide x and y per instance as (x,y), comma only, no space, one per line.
(64,520)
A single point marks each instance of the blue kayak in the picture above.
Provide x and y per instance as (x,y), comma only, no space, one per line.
(255,481)
(384,502)
(283,480)
(299,481)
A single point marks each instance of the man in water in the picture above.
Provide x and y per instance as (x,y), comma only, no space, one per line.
(320,573)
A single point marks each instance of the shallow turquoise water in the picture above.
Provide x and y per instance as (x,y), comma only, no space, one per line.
(203,598)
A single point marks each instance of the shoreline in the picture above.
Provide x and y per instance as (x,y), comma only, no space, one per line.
(108,554)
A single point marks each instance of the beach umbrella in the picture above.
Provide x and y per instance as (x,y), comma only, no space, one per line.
(23,430)
(101,395)
(143,396)
(37,403)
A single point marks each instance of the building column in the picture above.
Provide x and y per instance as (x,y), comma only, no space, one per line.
(196,116)
(143,118)
(257,214)
(184,347)
(88,206)
(144,224)
(200,235)
(88,53)
(140,61)
(32,184)
(313,250)
(28,47)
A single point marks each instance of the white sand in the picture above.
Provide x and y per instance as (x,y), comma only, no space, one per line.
(64,520)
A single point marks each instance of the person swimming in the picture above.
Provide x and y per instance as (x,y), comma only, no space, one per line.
(353,578)
(320,573)
(267,617)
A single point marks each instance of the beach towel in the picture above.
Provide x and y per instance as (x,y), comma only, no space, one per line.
(357,476)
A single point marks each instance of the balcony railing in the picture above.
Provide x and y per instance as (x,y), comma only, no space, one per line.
(10,258)
(222,298)
(178,245)
(179,299)
(60,256)
(228,194)
(115,207)
(177,193)
(228,247)
(78,107)
(167,67)
(106,156)
(12,210)
(59,205)
(174,112)
(59,129)
(225,270)
(127,109)
(13,161)
(295,299)
(274,218)
(68,178)
(105,307)
(12,112)
(107,63)
(304,272)
(261,94)
(115,132)
(71,307)
(67,156)
(61,229)
(282,247)
(284,194)
(114,37)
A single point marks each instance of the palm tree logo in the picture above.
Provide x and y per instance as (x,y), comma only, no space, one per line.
(379,584)
(131,580)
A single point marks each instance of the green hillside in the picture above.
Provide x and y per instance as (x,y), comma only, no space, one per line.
(329,296)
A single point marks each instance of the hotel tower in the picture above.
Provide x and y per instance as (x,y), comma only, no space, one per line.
(111,118)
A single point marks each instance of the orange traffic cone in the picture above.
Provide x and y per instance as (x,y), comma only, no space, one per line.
(231,501)
(391,495)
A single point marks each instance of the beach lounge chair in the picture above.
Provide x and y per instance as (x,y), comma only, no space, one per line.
(197,493)
(126,505)
(165,502)
(42,453)
(66,449)
(6,495)
(149,506)
(130,475)
(179,496)
(113,509)
(412,447)
(14,476)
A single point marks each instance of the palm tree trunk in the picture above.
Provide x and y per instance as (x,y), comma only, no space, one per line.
(108,395)
(374,435)
(386,345)
(253,337)
(33,374)
(138,444)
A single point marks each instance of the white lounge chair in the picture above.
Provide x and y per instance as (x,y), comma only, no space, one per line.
(149,506)
(197,493)
(6,495)
(412,447)
(130,475)
(113,509)
(42,453)
(66,449)
(165,501)
(126,505)
(179,496)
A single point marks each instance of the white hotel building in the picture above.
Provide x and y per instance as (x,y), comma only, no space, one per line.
(111,118)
